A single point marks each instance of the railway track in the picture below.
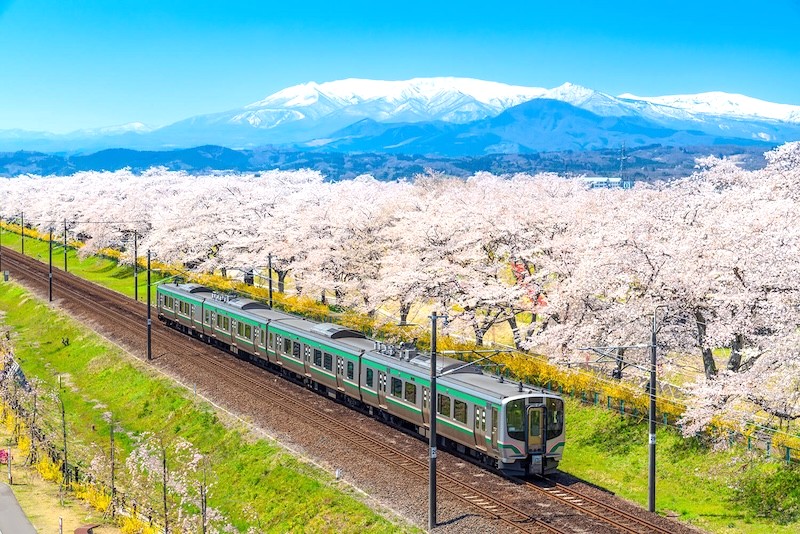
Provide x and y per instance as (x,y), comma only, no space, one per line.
(130,316)
(620,519)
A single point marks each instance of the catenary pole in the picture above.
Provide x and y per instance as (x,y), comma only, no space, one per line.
(22,231)
(65,245)
(651,486)
(149,320)
(50,278)
(135,268)
(432,433)
(269,267)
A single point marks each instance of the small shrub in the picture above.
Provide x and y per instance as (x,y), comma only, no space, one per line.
(49,469)
(134,525)
(770,490)
(95,496)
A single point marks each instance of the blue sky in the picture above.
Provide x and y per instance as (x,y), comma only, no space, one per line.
(70,64)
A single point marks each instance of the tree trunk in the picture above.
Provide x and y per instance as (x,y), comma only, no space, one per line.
(735,361)
(709,365)
(512,322)
(281,280)
(405,309)
(479,333)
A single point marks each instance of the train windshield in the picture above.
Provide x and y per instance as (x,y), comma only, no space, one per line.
(515,419)
(555,417)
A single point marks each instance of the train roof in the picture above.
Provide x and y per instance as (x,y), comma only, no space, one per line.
(405,358)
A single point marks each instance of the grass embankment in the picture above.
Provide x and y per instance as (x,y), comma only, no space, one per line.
(256,483)
(720,491)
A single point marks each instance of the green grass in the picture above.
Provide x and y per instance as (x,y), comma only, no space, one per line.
(692,481)
(103,271)
(98,377)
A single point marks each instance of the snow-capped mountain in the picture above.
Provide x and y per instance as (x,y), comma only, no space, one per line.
(725,104)
(313,110)
(420,99)
(419,114)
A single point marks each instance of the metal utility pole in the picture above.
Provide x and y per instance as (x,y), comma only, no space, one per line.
(651,486)
(22,226)
(51,265)
(64,433)
(269,259)
(65,245)
(149,320)
(1,244)
(135,268)
(113,470)
(432,433)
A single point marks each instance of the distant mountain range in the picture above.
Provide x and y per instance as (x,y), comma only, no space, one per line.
(641,163)
(448,117)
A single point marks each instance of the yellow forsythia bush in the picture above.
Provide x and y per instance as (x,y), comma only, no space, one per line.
(96,496)
(50,470)
(134,525)
(24,444)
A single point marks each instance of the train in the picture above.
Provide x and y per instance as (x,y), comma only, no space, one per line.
(513,427)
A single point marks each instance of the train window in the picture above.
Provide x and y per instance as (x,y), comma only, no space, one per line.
(425,393)
(555,417)
(318,357)
(296,350)
(370,378)
(248,331)
(287,346)
(483,420)
(495,417)
(350,370)
(226,324)
(411,393)
(515,419)
(328,364)
(460,411)
(397,387)
(207,316)
(272,340)
(444,405)
(240,329)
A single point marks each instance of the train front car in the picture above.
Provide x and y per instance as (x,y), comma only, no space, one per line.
(532,427)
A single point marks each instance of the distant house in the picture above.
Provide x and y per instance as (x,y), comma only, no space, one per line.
(606,182)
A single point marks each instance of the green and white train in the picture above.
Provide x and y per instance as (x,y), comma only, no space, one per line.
(514,427)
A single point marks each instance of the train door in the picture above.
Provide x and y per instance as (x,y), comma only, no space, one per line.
(535,438)
(495,429)
(307,360)
(426,405)
(340,373)
(382,389)
(480,427)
